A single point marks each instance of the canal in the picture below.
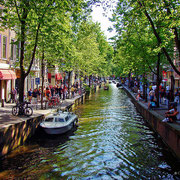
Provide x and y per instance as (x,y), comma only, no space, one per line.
(112,141)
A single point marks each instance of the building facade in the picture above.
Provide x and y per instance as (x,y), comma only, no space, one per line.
(7,67)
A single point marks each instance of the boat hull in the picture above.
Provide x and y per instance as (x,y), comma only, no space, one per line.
(54,128)
(59,130)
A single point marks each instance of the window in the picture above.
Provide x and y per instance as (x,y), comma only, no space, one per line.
(4,47)
(17,51)
(12,49)
(59,120)
(49,120)
(66,118)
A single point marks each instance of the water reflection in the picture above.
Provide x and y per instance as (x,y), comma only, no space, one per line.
(112,142)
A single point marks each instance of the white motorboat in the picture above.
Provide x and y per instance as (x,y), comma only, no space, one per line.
(59,123)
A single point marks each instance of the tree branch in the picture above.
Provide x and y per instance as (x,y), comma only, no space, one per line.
(150,68)
(17,10)
(177,40)
(159,39)
(35,44)
(34,50)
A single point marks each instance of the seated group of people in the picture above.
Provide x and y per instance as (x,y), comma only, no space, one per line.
(171,114)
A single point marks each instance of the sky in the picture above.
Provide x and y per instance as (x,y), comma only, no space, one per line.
(97,16)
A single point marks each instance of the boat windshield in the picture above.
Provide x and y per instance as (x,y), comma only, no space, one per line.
(59,120)
(66,118)
(49,119)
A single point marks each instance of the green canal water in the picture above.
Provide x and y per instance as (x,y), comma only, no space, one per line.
(112,141)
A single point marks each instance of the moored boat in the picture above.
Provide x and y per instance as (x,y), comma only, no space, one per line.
(59,123)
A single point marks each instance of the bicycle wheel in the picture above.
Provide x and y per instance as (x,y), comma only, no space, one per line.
(28,111)
(15,110)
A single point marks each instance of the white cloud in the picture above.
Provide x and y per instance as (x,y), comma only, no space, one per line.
(99,15)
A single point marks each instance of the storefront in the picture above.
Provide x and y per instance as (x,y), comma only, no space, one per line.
(7,78)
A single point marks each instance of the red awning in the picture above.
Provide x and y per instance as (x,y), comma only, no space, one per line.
(7,74)
(49,75)
(58,76)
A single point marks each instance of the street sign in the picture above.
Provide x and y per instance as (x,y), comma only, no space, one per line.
(37,81)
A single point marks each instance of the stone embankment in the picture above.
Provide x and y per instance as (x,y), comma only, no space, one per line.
(14,131)
(169,132)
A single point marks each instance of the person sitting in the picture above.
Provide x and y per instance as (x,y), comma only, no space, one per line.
(138,95)
(152,104)
(151,94)
(171,115)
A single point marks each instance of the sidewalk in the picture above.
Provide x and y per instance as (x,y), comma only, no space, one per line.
(7,119)
(161,110)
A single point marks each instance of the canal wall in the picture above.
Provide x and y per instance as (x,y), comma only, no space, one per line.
(167,131)
(16,133)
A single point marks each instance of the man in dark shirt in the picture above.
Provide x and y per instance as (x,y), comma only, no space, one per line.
(34,95)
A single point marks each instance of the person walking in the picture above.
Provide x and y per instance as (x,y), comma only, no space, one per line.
(60,91)
(162,95)
(52,91)
(47,94)
(14,95)
(72,91)
(34,96)
(57,90)
(176,99)
(64,92)
(29,94)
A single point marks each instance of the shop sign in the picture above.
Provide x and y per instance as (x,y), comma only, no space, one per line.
(37,81)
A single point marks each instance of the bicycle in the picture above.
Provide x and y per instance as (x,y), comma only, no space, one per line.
(22,109)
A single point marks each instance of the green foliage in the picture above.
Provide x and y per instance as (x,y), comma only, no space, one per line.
(86,87)
(60,30)
(145,28)
(92,49)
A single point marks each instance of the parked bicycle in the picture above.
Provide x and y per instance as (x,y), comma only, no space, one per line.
(22,109)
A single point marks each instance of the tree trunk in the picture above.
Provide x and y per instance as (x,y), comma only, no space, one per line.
(90,81)
(69,78)
(158,79)
(146,95)
(129,79)
(23,76)
(144,89)
(172,89)
(42,76)
(21,87)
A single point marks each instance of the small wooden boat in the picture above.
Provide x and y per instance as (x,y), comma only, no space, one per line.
(59,123)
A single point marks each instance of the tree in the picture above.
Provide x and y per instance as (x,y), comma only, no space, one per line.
(94,52)
(159,15)
(27,18)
